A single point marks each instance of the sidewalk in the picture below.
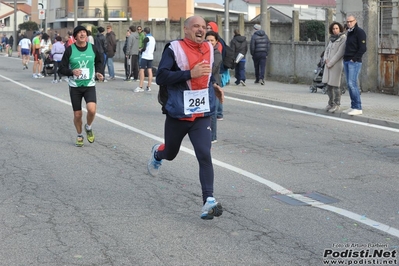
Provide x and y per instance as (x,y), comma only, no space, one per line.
(379,109)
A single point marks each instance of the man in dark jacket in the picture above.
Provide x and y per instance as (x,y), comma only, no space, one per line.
(101,45)
(260,45)
(354,50)
(111,50)
(239,46)
(127,63)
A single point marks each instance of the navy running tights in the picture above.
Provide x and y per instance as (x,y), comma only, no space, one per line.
(199,132)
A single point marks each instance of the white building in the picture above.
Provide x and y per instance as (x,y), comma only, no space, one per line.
(7,15)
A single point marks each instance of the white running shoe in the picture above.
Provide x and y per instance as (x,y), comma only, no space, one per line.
(355,112)
(138,89)
(347,110)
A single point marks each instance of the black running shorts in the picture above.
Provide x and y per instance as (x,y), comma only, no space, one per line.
(77,93)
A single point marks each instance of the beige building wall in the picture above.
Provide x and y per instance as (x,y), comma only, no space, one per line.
(189,9)
(100,3)
(158,9)
(180,9)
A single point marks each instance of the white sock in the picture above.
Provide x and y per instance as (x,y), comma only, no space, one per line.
(88,127)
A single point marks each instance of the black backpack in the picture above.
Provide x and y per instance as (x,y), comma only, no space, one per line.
(228,59)
(227,55)
(163,91)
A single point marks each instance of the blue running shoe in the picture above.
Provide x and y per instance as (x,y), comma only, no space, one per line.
(211,209)
(153,164)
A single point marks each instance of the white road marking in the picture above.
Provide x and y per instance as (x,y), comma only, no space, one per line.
(274,186)
(314,114)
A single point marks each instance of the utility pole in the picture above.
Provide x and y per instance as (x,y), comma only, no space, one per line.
(47,13)
(226,21)
(263,16)
(75,13)
(15,27)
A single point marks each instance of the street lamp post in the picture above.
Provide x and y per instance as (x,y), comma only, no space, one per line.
(226,20)
(263,16)
(15,27)
(76,13)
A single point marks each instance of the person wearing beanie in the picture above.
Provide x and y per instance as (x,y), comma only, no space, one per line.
(259,48)
(224,72)
(82,63)
(100,43)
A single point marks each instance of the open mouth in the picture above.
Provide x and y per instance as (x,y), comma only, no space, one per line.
(199,35)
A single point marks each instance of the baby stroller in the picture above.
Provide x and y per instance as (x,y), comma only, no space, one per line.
(317,79)
(48,65)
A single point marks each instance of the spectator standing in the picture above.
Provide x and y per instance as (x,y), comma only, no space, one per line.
(57,51)
(127,61)
(141,40)
(36,52)
(259,48)
(82,62)
(111,50)
(19,38)
(224,72)
(186,66)
(101,44)
(90,38)
(147,56)
(354,50)
(4,43)
(10,45)
(71,40)
(213,38)
(45,48)
(24,48)
(239,46)
(333,59)
(133,52)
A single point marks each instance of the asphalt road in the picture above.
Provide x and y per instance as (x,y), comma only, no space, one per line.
(96,205)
